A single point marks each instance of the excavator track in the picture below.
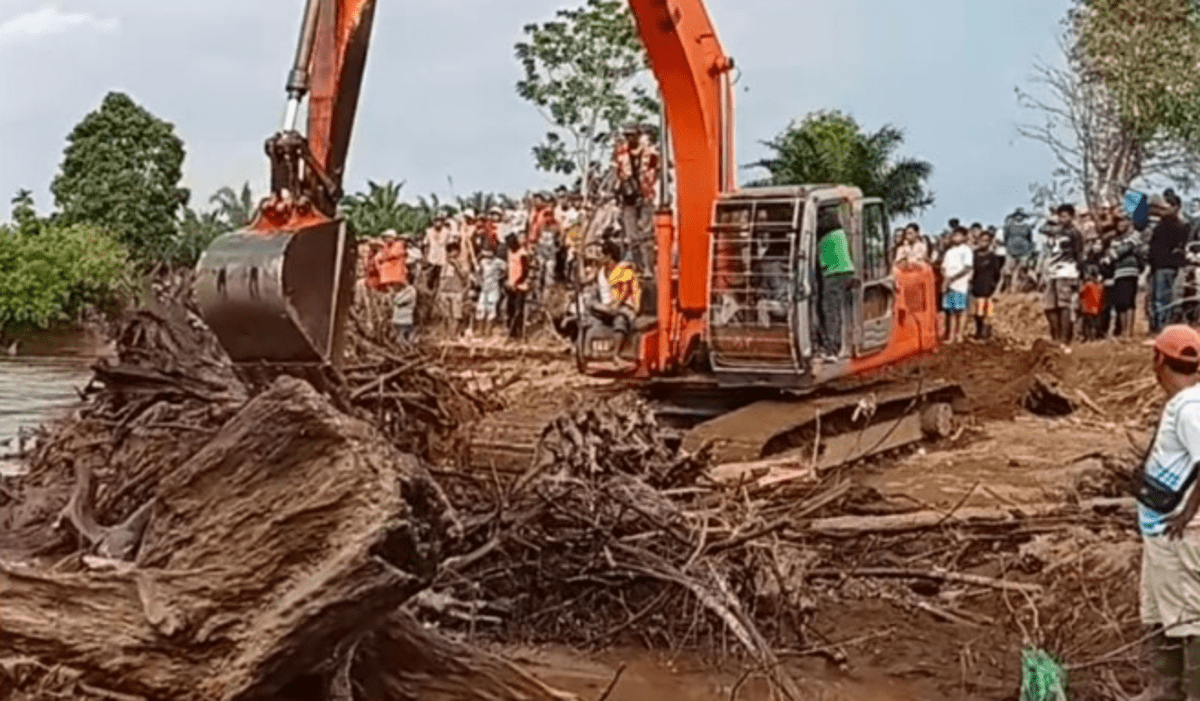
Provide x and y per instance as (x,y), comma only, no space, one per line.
(834,428)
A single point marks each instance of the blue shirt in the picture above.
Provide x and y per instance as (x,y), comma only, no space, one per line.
(1176,450)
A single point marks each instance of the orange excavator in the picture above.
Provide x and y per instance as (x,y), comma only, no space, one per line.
(737,348)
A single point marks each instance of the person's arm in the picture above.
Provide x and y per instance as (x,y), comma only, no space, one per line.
(1188,429)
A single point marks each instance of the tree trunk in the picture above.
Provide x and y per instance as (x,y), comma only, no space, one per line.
(292,533)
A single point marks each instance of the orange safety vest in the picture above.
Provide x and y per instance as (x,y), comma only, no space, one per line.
(392,263)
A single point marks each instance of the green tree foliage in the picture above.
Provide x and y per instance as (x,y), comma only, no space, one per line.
(831,147)
(50,277)
(585,71)
(480,202)
(1122,106)
(432,207)
(381,208)
(236,208)
(24,214)
(121,171)
(1147,52)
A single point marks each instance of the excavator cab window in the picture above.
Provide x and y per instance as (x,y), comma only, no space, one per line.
(878,289)
(753,291)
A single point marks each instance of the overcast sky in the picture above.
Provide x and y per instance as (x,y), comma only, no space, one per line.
(438,99)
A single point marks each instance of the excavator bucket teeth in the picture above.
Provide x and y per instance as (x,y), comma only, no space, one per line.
(279,297)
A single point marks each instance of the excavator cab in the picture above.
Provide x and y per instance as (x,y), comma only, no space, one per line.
(770,316)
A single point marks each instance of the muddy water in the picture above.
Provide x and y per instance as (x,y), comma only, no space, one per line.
(39,379)
(649,675)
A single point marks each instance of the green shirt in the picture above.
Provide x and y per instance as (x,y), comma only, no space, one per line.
(835,253)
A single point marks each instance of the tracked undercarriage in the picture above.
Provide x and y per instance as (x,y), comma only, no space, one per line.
(822,429)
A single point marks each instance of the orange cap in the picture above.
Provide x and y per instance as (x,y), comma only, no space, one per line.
(1178,341)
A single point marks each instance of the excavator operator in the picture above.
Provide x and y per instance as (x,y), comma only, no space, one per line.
(836,278)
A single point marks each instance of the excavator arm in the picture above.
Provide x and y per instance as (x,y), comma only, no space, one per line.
(278,292)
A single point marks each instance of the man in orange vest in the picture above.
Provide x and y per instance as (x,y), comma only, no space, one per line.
(392,260)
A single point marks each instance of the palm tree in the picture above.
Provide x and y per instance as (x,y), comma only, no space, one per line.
(196,231)
(830,147)
(380,208)
(23,211)
(237,208)
(479,201)
(432,207)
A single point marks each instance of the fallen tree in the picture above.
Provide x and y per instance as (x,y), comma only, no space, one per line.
(292,532)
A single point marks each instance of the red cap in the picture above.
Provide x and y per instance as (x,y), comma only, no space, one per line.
(1178,341)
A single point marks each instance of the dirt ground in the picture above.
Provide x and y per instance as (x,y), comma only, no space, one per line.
(1004,457)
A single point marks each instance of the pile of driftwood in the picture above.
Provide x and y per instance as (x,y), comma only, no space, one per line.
(187,536)
(612,538)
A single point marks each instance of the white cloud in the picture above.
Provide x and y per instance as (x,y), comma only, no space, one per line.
(49,21)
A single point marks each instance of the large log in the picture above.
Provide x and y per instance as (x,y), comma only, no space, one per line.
(293,533)
(848,526)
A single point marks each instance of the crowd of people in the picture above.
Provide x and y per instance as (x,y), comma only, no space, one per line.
(474,273)
(1089,269)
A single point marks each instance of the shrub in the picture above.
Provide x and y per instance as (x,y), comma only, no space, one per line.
(52,276)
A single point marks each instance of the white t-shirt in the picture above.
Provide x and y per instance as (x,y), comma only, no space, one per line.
(436,239)
(1176,450)
(957,259)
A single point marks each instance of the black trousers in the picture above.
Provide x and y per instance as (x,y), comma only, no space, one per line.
(516,313)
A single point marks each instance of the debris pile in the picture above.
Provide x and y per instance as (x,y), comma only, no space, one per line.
(234,541)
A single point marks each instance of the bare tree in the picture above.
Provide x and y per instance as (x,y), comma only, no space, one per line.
(1099,153)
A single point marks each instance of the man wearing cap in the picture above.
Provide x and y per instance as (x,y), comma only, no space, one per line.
(1064,249)
(1167,245)
(1167,505)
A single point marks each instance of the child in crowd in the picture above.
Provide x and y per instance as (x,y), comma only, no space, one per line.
(492,271)
(1091,304)
(404,310)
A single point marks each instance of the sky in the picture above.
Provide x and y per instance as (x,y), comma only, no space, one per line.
(439,110)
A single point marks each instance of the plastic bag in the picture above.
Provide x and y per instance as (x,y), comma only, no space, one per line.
(1042,677)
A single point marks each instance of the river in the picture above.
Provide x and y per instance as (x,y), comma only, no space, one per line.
(41,380)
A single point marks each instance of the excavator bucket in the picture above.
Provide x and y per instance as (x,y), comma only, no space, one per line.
(279,297)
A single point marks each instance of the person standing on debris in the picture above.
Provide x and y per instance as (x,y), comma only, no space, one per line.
(453,288)
(491,281)
(1167,246)
(1064,253)
(518,286)
(985,277)
(1125,256)
(404,310)
(1167,506)
(957,265)
(1091,305)
(437,236)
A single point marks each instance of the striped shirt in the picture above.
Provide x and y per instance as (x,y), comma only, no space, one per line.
(1176,450)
